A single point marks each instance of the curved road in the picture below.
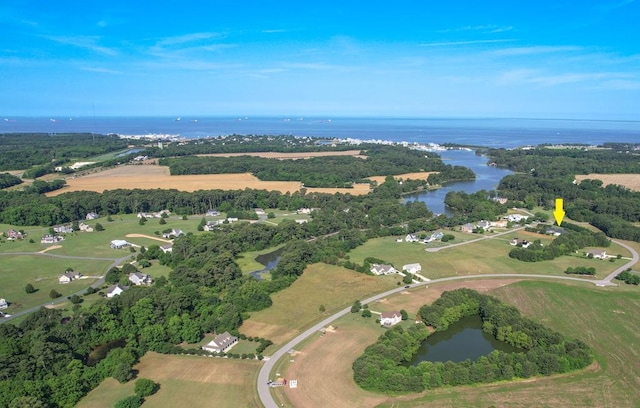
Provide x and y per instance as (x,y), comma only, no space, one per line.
(263,376)
(95,284)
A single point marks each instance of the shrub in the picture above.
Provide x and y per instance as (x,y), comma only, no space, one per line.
(133,401)
(29,288)
(145,387)
(53,294)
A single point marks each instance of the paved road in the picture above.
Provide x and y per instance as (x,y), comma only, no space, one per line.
(263,376)
(473,240)
(634,259)
(61,299)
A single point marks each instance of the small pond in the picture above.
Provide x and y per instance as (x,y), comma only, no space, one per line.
(462,340)
(269,261)
(102,350)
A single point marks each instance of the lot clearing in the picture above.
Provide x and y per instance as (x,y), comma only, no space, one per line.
(297,307)
(595,315)
(288,156)
(185,381)
(631,181)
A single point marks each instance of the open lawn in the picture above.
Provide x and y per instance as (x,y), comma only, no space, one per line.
(482,257)
(597,316)
(297,307)
(631,181)
(185,381)
(42,272)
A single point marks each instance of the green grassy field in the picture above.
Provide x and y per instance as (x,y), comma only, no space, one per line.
(247,260)
(42,272)
(482,257)
(297,307)
(185,381)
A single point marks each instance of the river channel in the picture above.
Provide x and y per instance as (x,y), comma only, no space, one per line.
(487,178)
(462,340)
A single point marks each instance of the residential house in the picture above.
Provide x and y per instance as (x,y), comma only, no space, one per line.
(119,243)
(211,225)
(304,211)
(139,279)
(381,269)
(412,268)
(115,290)
(520,242)
(84,227)
(259,211)
(232,219)
(166,248)
(92,216)
(51,239)
(597,253)
(485,225)
(501,200)
(221,343)
(145,215)
(212,213)
(411,238)
(434,237)
(63,229)
(174,233)
(159,214)
(3,303)
(302,221)
(388,319)
(12,235)
(468,227)
(517,217)
(68,277)
(140,158)
(499,224)
(554,230)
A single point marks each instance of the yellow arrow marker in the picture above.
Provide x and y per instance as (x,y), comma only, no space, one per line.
(559,211)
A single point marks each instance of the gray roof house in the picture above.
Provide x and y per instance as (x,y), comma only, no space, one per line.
(381,269)
(139,279)
(221,343)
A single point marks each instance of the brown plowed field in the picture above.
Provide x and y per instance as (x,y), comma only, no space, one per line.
(631,181)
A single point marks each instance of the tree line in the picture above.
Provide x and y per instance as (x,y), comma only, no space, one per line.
(8,180)
(384,367)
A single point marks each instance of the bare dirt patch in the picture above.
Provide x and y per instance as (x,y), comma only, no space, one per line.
(631,181)
(288,156)
(152,177)
(147,236)
(149,176)
(51,248)
(421,175)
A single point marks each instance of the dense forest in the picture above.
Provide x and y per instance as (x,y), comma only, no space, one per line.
(23,150)
(329,171)
(475,205)
(384,365)
(549,174)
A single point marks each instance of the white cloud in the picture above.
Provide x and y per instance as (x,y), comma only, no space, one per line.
(488,28)
(188,38)
(101,70)
(85,42)
(457,43)
(541,49)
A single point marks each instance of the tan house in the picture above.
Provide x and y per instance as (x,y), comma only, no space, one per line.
(596,254)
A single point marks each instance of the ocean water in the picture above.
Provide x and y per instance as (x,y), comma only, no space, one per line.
(490,132)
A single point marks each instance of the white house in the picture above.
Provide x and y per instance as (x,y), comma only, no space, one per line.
(516,217)
(166,248)
(221,343)
(232,219)
(3,303)
(301,221)
(139,279)
(597,254)
(175,232)
(381,269)
(51,239)
(259,211)
(119,243)
(144,215)
(499,224)
(484,225)
(468,227)
(212,213)
(438,235)
(520,242)
(92,216)
(388,319)
(115,290)
(304,211)
(411,238)
(412,268)
(63,229)
(69,277)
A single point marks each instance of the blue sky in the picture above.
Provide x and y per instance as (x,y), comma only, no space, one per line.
(546,59)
